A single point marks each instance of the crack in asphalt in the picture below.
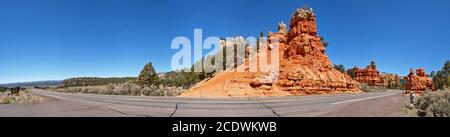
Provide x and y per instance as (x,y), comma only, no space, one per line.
(117,111)
(122,112)
(174,111)
(273,110)
(304,104)
(268,107)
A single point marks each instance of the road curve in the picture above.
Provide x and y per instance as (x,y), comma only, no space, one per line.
(88,105)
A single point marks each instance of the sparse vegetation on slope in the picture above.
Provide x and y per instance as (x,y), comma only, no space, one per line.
(180,79)
(22,97)
(3,89)
(148,83)
(128,88)
(367,88)
(94,81)
(434,104)
(339,67)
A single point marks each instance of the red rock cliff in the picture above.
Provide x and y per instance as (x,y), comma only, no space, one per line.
(418,82)
(370,76)
(305,68)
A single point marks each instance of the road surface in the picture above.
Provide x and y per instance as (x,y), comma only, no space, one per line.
(58,104)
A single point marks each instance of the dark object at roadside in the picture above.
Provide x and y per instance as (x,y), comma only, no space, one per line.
(15,91)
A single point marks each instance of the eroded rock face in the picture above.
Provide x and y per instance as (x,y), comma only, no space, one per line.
(419,81)
(369,75)
(305,68)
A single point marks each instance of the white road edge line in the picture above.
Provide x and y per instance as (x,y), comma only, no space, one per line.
(360,99)
(53,96)
(221,102)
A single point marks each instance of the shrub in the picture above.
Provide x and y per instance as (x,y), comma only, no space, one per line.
(434,104)
(147,91)
(94,90)
(157,93)
(128,88)
(94,81)
(339,67)
(23,97)
(6,100)
(367,88)
(3,89)
(180,79)
(118,90)
(135,90)
(108,90)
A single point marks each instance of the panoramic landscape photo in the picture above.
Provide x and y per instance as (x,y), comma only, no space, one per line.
(224,58)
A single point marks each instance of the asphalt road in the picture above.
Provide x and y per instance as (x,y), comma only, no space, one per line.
(87,105)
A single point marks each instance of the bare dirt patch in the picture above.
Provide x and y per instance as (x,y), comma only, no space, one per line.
(23,97)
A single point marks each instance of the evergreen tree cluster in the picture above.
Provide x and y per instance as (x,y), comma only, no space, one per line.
(441,78)
(339,67)
(3,89)
(148,76)
(351,72)
(180,79)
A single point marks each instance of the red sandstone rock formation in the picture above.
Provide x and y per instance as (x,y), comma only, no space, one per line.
(306,68)
(370,76)
(418,82)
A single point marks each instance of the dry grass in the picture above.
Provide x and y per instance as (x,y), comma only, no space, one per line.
(128,88)
(23,97)
(434,104)
(367,88)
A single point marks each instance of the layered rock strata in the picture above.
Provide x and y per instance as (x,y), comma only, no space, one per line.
(418,81)
(304,68)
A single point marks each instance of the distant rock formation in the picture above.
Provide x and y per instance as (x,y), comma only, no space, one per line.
(369,75)
(419,81)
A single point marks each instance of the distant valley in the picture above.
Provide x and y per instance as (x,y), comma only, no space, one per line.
(33,83)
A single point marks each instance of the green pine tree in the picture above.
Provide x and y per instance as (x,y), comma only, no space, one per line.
(351,72)
(148,76)
(324,42)
(442,77)
(339,67)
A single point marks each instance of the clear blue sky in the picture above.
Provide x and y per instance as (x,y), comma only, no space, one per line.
(58,39)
